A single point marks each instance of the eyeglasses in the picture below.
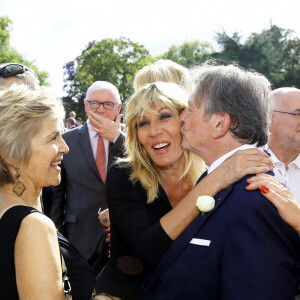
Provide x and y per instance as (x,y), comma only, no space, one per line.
(288,113)
(106,105)
(15,69)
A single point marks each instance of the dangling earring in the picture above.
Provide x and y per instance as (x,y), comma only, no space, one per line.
(19,186)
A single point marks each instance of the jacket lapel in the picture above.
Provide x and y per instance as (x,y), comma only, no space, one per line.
(85,144)
(184,239)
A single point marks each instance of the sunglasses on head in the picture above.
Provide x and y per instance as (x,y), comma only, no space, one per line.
(15,69)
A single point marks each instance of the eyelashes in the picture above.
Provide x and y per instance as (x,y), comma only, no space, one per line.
(143,123)
(161,117)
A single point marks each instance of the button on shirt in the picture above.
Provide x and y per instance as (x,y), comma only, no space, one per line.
(291,176)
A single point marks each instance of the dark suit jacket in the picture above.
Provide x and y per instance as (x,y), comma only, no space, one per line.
(252,255)
(81,191)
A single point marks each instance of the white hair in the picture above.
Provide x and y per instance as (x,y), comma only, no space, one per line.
(104,85)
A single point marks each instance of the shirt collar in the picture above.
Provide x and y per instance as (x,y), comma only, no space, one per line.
(273,156)
(217,162)
(297,161)
(275,160)
(92,133)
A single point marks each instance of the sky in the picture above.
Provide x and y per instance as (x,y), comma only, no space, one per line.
(54,32)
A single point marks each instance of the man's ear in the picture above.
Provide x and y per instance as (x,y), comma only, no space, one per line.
(85,104)
(119,107)
(222,125)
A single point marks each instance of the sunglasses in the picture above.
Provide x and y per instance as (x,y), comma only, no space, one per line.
(15,69)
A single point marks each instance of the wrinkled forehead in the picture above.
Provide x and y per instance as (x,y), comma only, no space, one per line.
(102,95)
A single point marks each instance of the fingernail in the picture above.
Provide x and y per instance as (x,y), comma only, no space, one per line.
(258,173)
(247,185)
(264,189)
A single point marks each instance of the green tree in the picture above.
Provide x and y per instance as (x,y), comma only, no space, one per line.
(9,54)
(274,52)
(189,53)
(115,61)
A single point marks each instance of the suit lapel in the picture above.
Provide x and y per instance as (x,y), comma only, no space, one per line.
(184,239)
(85,144)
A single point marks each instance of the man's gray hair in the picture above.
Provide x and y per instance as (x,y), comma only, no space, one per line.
(103,85)
(243,94)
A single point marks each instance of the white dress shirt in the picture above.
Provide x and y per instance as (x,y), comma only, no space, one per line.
(217,162)
(221,159)
(291,176)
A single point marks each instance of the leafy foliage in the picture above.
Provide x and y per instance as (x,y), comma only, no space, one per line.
(9,54)
(189,53)
(115,61)
(275,52)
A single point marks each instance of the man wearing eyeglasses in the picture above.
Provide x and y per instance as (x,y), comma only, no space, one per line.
(11,73)
(284,140)
(93,148)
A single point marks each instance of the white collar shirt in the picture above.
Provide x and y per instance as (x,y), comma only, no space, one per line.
(291,176)
(221,159)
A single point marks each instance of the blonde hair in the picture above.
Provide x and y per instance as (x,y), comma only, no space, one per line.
(22,112)
(173,97)
(162,70)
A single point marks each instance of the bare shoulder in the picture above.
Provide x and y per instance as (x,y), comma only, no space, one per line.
(37,225)
(37,252)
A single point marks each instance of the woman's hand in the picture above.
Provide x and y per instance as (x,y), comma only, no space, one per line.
(241,163)
(104,218)
(281,197)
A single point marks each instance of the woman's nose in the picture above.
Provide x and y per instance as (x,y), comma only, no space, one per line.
(155,129)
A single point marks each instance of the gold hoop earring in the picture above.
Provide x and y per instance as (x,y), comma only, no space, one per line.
(19,186)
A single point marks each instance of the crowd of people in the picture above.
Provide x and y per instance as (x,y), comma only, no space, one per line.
(130,200)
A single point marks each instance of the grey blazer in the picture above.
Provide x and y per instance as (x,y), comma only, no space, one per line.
(81,191)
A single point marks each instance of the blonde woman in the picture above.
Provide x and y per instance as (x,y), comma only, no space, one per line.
(162,70)
(150,193)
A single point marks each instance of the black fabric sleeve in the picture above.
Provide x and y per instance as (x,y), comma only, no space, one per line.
(80,274)
(59,202)
(138,227)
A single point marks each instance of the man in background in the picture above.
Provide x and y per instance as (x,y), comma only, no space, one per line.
(284,140)
(93,148)
(71,123)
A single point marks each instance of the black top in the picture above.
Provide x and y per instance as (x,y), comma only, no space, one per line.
(137,239)
(80,275)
